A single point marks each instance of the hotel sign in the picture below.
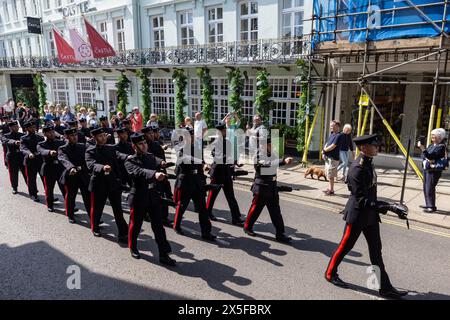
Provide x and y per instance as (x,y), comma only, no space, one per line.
(76,9)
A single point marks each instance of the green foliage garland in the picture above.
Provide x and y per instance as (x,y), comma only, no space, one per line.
(263,103)
(180,81)
(236,89)
(207,96)
(303,67)
(40,85)
(123,84)
(144,75)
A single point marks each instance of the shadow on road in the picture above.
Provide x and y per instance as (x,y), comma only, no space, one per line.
(39,271)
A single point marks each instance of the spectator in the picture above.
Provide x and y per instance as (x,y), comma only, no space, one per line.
(346,146)
(58,110)
(84,114)
(92,119)
(21,114)
(433,158)
(200,127)
(50,115)
(331,155)
(67,115)
(136,120)
(153,119)
(120,118)
(232,122)
(111,107)
(9,107)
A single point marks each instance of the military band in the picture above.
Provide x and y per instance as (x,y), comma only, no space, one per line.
(90,161)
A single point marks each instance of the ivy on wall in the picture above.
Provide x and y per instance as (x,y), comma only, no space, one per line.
(123,84)
(207,96)
(144,75)
(180,81)
(236,89)
(40,86)
(263,103)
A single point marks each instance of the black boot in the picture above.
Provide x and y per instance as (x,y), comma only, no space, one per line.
(209,237)
(393,293)
(250,232)
(135,253)
(283,238)
(337,281)
(168,261)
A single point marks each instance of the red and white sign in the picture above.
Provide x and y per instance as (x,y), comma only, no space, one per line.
(100,47)
(66,53)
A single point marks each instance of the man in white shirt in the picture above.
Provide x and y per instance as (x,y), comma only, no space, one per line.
(200,128)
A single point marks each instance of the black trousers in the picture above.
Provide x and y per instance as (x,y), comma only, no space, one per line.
(228,190)
(166,191)
(430,181)
(98,201)
(49,186)
(182,197)
(4,156)
(13,169)
(272,202)
(137,214)
(71,191)
(31,171)
(351,235)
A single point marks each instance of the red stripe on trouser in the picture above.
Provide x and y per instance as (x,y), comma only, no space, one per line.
(130,232)
(26,174)
(66,200)
(45,190)
(210,194)
(92,210)
(339,250)
(177,197)
(251,210)
(10,173)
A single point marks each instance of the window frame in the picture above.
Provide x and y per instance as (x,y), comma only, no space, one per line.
(160,43)
(188,25)
(119,32)
(248,17)
(291,11)
(216,22)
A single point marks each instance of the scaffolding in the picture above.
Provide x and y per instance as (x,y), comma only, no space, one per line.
(334,42)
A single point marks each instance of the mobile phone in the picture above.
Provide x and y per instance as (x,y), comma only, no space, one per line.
(422,140)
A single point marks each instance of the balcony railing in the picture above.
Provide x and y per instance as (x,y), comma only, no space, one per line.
(281,51)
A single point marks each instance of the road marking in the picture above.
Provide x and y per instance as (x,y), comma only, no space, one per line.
(314,204)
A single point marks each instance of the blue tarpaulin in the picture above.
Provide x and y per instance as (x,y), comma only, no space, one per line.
(383,25)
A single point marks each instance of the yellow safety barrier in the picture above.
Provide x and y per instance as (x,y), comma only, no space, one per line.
(309,135)
(322,129)
(431,124)
(363,127)
(402,148)
(360,114)
(439,118)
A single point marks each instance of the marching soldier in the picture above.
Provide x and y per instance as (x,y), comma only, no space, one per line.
(362,216)
(264,188)
(221,173)
(59,129)
(154,147)
(75,175)
(51,168)
(73,124)
(32,158)
(190,185)
(4,129)
(144,199)
(14,157)
(102,162)
(127,124)
(125,147)
(84,128)
(108,130)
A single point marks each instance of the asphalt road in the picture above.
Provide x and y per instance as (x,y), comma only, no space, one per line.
(38,247)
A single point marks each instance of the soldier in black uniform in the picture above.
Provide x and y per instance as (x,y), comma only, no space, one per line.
(144,199)
(125,147)
(51,168)
(73,124)
(75,175)
(127,124)
(59,129)
(4,129)
(108,130)
(32,158)
(14,157)
(362,216)
(265,189)
(155,147)
(84,128)
(221,173)
(190,185)
(102,162)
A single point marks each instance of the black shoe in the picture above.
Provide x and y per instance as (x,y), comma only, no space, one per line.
(429,210)
(237,222)
(123,239)
(168,261)
(393,293)
(212,217)
(35,198)
(167,223)
(337,281)
(423,207)
(250,232)
(179,231)
(283,238)
(72,221)
(209,237)
(55,199)
(135,253)
(75,209)
(50,210)
(14,191)
(96,234)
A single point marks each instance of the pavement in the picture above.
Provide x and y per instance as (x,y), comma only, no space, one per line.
(41,250)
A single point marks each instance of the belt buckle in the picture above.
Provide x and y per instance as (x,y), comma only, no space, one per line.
(78,168)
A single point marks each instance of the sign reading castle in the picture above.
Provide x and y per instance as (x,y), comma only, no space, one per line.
(76,9)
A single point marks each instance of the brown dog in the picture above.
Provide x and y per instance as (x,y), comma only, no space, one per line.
(316,171)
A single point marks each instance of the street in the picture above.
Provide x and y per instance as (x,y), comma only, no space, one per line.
(37,247)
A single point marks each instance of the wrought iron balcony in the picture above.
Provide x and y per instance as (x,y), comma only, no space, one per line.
(281,51)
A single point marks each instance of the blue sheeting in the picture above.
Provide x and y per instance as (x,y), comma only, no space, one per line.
(383,25)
